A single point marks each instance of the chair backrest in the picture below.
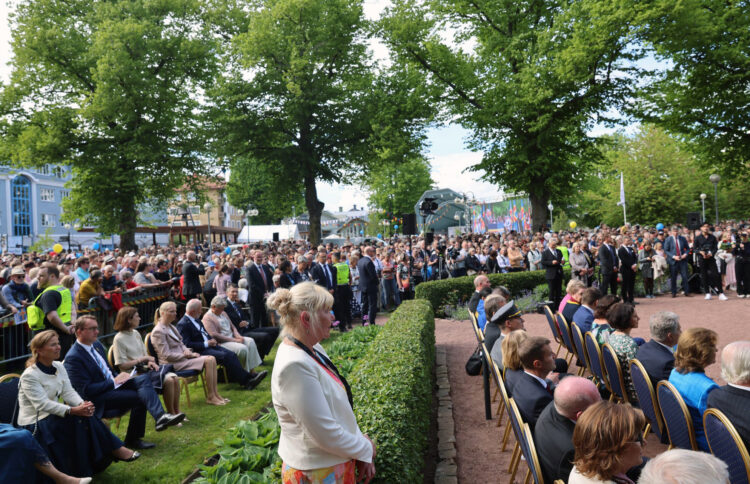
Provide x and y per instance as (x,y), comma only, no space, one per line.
(565,332)
(646,396)
(150,350)
(500,380)
(477,332)
(614,372)
(726,444)
(111,356)
(577,337)
(676,416)
(532,459)
(8,397)
(552,325)
(595,359)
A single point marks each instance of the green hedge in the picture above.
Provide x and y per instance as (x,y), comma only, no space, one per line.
(449,292)
(393,385)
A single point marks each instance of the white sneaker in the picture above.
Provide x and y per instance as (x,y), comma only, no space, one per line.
(722,297)
(708,296)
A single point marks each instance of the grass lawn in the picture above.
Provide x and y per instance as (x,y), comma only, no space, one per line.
(180,450)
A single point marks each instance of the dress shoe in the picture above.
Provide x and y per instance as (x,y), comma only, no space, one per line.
(168,420)
(255,380)
(140,444)
(131,458)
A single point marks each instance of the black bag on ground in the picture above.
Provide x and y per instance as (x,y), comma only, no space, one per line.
(474,365)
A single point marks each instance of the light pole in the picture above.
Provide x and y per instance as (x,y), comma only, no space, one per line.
(67,227)
(550,208)
(703,204)
(207,207)
(715,180)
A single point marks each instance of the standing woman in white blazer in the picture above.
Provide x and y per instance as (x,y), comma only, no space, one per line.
(320,439)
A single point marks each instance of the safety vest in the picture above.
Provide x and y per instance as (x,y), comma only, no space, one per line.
(342,273)
(35,315)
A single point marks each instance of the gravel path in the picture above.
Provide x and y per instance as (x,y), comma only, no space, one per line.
(478,440)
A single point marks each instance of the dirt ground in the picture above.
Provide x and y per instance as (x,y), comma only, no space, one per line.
(478,441)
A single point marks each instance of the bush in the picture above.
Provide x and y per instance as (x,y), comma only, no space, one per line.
(443,293)
(393,386)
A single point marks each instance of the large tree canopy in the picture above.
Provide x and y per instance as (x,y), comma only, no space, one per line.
(300,93)
(262,187)
(529,78)
(110,89)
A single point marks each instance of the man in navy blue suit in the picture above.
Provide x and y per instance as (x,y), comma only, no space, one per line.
(584,316)
(113,394)
(530,388)
(656,355)
(734,399)
(195,337)
(264,337)
(368,284)
(676,249)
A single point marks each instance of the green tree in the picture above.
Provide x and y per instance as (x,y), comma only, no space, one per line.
(256,184)
(110,89)
(704,92)
(299,93)
(396,187)
(528,78)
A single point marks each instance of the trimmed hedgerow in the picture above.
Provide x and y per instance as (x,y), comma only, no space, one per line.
(449,292)
(393,386)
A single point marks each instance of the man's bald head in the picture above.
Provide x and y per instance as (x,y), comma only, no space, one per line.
(193,308)
(735,363)
(575,394)
(481,282)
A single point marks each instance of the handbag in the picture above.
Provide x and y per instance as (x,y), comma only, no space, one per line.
(474,364)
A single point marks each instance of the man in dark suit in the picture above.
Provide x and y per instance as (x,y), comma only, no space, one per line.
(609,265)
(260,280)
(324,274)
(264,337)
(191,284)
(552,261)
(480,282)
(656,355)
(553,434)
(676,250)
(195,337)
(584,316)
(706,246)
(113,393)
(530,388)
(628,266)
(368,284)
(734,399)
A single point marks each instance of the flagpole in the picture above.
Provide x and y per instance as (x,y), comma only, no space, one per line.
(622,198)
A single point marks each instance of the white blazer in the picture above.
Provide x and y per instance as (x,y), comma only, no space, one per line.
(318,426)
(40,392)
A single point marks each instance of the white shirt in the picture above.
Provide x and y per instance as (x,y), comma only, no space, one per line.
(39,392)
(98,357)
(740,387)
(201,331)
(540,380)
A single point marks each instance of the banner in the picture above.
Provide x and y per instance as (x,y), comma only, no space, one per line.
(501,217)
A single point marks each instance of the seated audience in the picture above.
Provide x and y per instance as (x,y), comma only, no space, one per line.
(584,315)
(17,292)
(572,300)
(733,399)
(681,466)
(111,392)
(553,433)
(696,349)
(220,328)
(70,433)
(480,313)
(608,441)
(480,282)
(91,287)
(511,362)
(239,315)
(169,347)
(657,356)
(530,388)
(195,337)
(623,318)
(508,314)
(600,328)
(143,276)
(129,352)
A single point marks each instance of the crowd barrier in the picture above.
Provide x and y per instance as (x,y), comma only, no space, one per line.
(15,333)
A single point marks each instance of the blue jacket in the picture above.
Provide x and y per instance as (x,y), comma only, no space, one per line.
(584,318)
(694,388)
(86,377)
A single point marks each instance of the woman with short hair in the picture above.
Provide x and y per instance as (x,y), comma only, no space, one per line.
(623,319)
(696,349)
(320,439)
(608,440)
(220,328)
(600,328)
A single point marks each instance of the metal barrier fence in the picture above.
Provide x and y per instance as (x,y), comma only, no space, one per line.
(15,333)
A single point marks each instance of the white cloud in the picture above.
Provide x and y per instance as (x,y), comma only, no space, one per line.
(449,171)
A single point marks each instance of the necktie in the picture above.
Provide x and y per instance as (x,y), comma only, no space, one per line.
(102,367)
(328,276)
(677,245)
(263,275)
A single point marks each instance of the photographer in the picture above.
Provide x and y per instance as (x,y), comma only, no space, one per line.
(705,248)
(741,252)
(458,256)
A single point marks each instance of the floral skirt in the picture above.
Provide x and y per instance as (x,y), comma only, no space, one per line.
(339,474)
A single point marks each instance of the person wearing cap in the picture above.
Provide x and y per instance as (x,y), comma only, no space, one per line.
(16,292)
(220,327)
(507,314)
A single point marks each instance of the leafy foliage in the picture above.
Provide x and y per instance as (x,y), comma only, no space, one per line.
(396,187)
(255,184)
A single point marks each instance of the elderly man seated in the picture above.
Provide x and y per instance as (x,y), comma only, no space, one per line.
(220,328)
(680,466)
(657,356)
(733,399)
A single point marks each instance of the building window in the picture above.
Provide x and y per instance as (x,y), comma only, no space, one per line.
(47,194)
(44,170)
(64,194)
(49,220)
(195,210)
(21,201)
(59,171)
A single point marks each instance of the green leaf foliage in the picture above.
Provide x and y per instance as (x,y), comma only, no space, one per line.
(396,187)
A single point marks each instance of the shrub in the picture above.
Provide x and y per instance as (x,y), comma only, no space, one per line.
(393,386)
(444,292)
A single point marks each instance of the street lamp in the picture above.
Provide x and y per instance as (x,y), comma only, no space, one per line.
(67,227)
(715,180)
(550,208)
(207,207)
(703,204)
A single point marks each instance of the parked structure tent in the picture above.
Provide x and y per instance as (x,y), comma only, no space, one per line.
(258,233)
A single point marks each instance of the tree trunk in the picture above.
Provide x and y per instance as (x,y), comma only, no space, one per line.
(539,213)
(128,226)
(314,209)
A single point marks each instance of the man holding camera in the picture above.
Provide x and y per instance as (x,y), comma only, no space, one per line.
(705,247)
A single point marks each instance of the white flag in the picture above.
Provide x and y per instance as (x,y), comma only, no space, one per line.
(622,190)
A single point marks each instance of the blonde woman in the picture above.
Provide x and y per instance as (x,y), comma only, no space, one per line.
(170,349)
(320,439)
